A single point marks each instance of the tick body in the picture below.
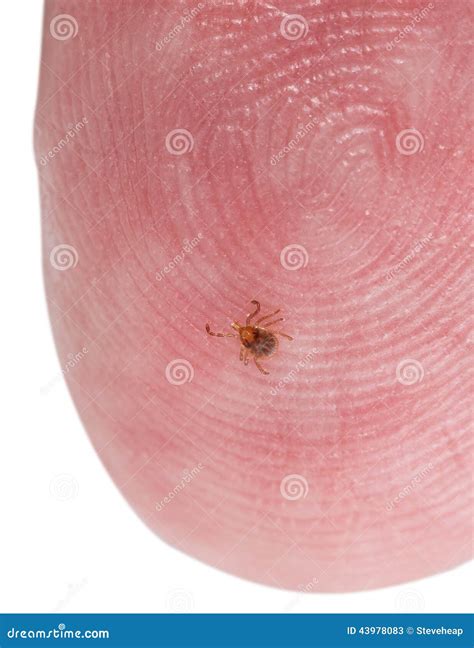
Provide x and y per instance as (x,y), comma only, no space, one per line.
(257,339)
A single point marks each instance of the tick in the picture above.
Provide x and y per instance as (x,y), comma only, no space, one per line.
(256,340)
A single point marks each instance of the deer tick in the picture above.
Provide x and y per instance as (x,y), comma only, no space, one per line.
(256,340)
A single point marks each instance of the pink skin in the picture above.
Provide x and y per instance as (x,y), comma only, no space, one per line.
(382,459)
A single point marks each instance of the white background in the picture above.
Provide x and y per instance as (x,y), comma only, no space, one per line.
(90,553)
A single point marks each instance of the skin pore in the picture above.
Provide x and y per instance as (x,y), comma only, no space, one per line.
(313,156)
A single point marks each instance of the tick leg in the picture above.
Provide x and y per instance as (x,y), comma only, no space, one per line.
(274,322)
(264,371)
(282,334)
(250,316)
(244,355)
(208,329)
(267,316)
